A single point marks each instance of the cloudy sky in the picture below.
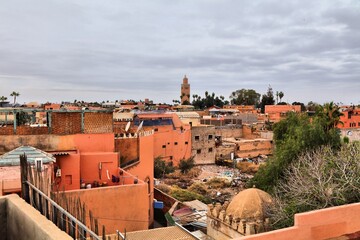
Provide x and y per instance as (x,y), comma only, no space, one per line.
(55,50)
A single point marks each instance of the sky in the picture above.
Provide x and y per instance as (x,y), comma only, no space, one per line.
(91,50)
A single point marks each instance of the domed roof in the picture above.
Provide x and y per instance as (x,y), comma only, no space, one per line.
(249,204)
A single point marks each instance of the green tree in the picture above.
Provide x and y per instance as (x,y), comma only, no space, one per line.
(281,95)
(330,114)
(208,101)
(186,164)
(245,97)
(14,94)
(161,167)
(292,136)
(303,108)
(3,98)
(267,99)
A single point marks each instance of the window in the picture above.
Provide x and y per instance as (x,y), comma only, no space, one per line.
(186,143)
(210,137)
(156,129)
(198,151)
(197,138)
(359,124)
(171,157)
(210,150)
(163,146)
(175,143)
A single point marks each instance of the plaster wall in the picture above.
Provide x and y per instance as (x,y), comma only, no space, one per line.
(24,222)
(144,170)
(320,224)
(118,207)
(49,142)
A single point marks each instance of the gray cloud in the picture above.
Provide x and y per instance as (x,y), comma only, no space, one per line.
(105,50)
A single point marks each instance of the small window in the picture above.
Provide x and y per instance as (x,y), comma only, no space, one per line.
(163,146)
(359,124)
(198,151)
(210,137)
(238,148)
(186,143)
(175,143)
(171,157)
(210,150)
(156,129)
(168,143)
(197,138)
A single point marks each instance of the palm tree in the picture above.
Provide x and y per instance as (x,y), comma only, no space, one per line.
(331,113)
(281,95)
(3,98)
(15,94)
(277,97)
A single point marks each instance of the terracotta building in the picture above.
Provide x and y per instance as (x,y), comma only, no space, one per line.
(185,91)
(275,113)
(350,119)
(88,165)
(172,138)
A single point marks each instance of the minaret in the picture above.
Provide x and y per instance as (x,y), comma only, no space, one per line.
(185,91)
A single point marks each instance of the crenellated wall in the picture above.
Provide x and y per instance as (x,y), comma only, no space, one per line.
(222,226)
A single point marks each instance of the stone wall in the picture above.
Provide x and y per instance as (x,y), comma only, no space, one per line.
(203,144)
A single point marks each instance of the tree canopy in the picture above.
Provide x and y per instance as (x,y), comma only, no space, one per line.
(208,101)
(293,136)
(318,179)
(245,97)
(267,99)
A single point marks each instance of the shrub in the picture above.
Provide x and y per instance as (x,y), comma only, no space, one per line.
(161,167)
(186,164)
(186,195)
(216,183)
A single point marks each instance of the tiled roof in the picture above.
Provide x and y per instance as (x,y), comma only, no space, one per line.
(12,158)
(166,233)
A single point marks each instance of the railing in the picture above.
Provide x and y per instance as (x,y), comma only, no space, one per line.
(58,215)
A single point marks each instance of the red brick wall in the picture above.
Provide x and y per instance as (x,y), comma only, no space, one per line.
(24,130)
(66,122)
(98,122)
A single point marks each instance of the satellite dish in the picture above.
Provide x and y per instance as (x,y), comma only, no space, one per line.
(140,126)
(349,133)
(127,126)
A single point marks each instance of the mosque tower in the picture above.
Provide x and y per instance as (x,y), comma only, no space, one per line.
(185,91)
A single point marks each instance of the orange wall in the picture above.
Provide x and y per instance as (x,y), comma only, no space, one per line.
(169,140)
(145,169)
(89,167)
(282,108)
(315,225)
(352,122)
(118,208)
(70,172)
(49,142)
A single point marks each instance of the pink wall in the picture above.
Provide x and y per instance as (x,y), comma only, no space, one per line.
(315,225)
